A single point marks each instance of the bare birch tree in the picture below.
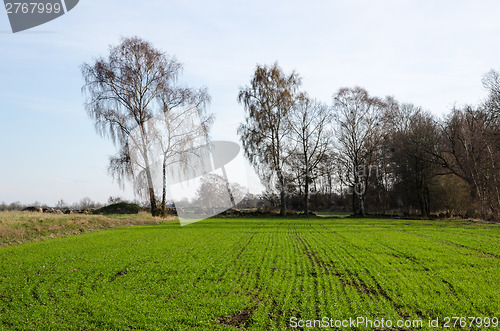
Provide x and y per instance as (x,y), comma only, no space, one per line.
(125,91)
(268,101)
(311,134)
(183,126)
(358,123)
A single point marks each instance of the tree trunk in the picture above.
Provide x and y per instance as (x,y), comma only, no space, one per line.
(421,202)
(354,199)
(226,180)
(420,186)
(423,210)
(306,185)
(282,194)
(427,201)
(152,198)
(306,194)
(362,195)
(362,205)
(164,195)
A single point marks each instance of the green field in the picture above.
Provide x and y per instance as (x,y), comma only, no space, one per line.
(255,274)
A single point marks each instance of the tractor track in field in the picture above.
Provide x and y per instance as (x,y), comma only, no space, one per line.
(348,277)
(255,290)
(400,254)
(195,282)
(240,319)
(444,241)
(259,296)
(451,243)
(34,294)
(353,279)
(414,260)
(315,263)
(125,270)
(49,289)
(34,291)
(237,257)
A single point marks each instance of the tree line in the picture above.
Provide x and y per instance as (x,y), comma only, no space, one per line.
(360,152)
(371,153)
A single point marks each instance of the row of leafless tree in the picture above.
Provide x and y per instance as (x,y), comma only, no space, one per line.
(84,204)
(378,152)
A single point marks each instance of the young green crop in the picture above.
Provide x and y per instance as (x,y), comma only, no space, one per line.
(252,273)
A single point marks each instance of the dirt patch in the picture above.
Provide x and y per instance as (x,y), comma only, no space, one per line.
(119,273)
(239,320)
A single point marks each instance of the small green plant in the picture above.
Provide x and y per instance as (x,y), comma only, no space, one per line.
(252,273)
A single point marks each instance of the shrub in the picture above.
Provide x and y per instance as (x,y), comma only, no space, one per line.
(119,208)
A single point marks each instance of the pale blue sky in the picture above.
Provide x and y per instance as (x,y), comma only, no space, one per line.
(431,53)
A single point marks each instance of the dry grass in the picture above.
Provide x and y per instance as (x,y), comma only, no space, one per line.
(18,227)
